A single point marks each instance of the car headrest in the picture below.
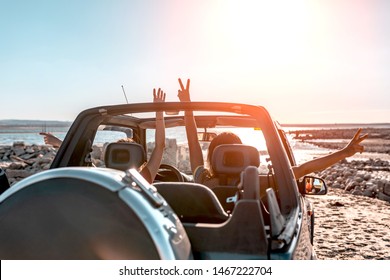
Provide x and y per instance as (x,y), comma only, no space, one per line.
(232,159)
(123,156)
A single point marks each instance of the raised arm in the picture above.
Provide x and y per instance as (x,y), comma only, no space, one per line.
(324,162)
(155,159)
(196,156)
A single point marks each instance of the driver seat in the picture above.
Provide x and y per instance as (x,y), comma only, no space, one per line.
(122,156)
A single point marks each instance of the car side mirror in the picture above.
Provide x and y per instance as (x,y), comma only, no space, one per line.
(312,185)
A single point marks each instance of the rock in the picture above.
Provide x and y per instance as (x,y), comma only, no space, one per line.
(367,176)
(384,197)
(386,188)
(18,173)
(46,166)
(329,178)
(19,151)
(45,160)
(370,190)
(358,179)
(30,150)
(336,185)
(347,173)
(339,179)
(382,183)
(20,161)
(357,192)
(367,168)
(17,165)
(350,186)
(337,204)
(18,144)
(28,156)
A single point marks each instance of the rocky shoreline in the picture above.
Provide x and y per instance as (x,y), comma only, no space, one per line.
(369,178)
(20,161)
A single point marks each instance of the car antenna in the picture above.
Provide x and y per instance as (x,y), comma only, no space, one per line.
(123,89)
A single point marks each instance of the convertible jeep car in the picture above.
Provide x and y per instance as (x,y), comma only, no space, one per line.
(93,203)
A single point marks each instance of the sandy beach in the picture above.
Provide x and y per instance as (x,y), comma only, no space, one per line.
(350,225)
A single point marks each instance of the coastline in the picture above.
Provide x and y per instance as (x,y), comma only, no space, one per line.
(378,140)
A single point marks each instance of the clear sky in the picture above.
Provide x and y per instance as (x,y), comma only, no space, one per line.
(306,61)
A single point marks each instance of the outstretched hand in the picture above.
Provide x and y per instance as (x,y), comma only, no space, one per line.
(354,145)
(184,92)
(158,96)
(50,139)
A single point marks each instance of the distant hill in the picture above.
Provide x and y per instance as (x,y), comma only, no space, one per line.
(34,123)
(339,125)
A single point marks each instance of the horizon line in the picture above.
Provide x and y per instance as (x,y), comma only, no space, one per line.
(282,124)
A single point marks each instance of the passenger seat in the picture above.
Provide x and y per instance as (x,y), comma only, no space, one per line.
(122,156)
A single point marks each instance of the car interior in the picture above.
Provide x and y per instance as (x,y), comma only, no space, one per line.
(237,166)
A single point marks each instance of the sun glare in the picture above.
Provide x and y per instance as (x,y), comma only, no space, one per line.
(266,32)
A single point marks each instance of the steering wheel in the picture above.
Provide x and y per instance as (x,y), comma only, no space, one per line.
(167,172)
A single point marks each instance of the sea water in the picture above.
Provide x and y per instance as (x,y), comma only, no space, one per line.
(28,137)
(303,151)
(31,136)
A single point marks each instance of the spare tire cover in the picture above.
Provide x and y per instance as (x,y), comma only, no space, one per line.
(86,213)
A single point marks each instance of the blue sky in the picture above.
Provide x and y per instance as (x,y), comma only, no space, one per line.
(307,61)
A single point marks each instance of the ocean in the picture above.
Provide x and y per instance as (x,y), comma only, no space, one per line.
(302,151)
(30,134)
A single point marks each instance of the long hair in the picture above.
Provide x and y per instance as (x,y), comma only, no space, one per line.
(222,138)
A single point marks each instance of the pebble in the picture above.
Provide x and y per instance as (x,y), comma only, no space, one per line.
(20,161)
(369,178)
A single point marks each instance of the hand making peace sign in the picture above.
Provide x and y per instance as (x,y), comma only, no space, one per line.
(354,145)
(184,92)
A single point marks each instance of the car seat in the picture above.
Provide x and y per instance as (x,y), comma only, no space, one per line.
(244,234)
(192,202)
(228,163)
(122,156)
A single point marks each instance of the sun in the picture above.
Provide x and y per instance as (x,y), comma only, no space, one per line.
(270,33)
